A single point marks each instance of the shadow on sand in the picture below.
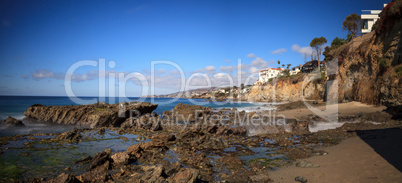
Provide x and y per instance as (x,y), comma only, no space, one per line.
(386,142)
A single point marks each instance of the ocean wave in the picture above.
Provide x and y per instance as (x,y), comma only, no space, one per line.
(16,116)
(320,126)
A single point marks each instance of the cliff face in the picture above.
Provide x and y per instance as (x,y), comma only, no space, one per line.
(287,89)
(368,69)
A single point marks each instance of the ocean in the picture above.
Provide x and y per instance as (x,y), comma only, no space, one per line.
(15,106)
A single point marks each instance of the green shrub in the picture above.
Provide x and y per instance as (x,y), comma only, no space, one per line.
(315,83)
(322,75)
(382,62)
(337,42)
(398,70)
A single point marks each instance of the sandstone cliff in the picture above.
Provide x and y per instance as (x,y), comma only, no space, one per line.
(288,89)
(92,115)
(369,69)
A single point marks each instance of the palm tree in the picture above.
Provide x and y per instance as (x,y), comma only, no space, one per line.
(288,66)
(283,66)
(279,64)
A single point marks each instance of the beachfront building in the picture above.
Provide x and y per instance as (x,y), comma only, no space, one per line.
(295,70)
(311,65)
(266,74)
(369,17)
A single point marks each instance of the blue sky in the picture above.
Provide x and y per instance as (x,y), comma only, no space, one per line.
(41,40)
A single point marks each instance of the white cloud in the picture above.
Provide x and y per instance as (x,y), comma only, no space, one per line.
(233,68)
(251,55)
(168,79)
(220,75)
(242,67)
(210,68)
(303,50)
(226,68)
(161,71)
(254,70)
(259,62)
(174,72)
(43,74)
(227,60)
(78,77)
(279,51)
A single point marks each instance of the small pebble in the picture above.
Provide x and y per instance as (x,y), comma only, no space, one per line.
(301,179)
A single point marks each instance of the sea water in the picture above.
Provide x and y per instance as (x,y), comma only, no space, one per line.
(15,106)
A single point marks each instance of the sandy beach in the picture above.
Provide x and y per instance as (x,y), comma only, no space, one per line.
(343,109)
(356,159)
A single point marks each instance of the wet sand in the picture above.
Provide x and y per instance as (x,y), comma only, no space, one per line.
(343,109)
(356,159)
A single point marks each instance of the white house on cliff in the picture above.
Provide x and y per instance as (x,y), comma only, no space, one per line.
(266,74)
(369,17)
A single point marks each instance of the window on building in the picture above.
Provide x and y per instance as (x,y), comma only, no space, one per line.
(365,24)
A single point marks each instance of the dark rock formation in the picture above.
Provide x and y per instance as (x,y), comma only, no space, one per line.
(99,174)
(12,121)
(164,137)
(154,174)
(188,175)
(98,160)
(93,115)
(137,150)
(83,160)
(187,113)
(64,178)
(122,158)
(71,136)
(173,169)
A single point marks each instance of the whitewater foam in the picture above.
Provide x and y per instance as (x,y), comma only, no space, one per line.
(320,126)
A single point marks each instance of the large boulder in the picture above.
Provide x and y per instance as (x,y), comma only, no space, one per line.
(122,158)
(92,115)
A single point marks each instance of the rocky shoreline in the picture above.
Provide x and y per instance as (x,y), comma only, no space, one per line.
(92,115)
(168,150)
